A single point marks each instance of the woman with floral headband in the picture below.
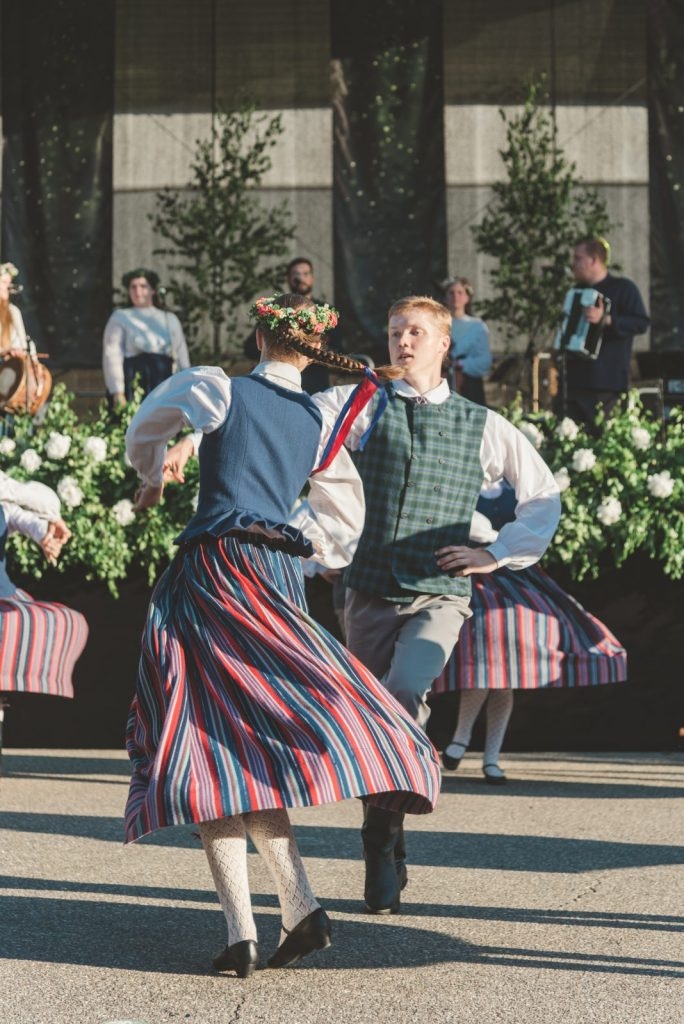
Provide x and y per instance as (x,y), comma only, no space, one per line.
(245,705)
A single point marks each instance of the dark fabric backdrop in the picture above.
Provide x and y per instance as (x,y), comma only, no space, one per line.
(389,189)
(666,120)
(57,102)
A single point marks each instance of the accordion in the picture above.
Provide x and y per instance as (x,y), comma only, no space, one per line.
(575,333)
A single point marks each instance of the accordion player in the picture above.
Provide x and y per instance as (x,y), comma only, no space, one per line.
(576,334)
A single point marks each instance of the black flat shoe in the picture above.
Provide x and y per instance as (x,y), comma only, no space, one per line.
(493,779)
(312,933)
(449,762)
(241,957)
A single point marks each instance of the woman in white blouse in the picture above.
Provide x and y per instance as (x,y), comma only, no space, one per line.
(142,340)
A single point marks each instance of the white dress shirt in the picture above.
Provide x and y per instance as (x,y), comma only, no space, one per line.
(333,515)
(504,452)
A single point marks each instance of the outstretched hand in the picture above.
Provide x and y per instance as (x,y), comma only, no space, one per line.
(147,496)
(464,561)
(176,459)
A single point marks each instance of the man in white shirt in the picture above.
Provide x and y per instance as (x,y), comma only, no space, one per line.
(422,469)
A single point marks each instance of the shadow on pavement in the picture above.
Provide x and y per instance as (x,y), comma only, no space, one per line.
(156,939)
(46,766)
(485,851)
(524,915)
(574,789)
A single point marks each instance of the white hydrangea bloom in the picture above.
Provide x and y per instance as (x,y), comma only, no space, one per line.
(69,491)
(583,460)
(532,433)
(568,429)
(58,445)
(30,460)
(95,449)
(7,445)
(641,438)
(562,478)
(609,511)
(123,512)
(660,485)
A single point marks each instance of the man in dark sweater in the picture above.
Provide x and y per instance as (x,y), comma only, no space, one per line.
(591,382)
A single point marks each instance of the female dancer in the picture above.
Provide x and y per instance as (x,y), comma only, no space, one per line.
(143,340)
(525,633)
(469,355)
(246,706)
(39,641)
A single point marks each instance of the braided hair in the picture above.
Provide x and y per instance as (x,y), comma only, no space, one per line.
(293,322)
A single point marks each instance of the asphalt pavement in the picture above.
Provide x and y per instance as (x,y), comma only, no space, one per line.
(557,899)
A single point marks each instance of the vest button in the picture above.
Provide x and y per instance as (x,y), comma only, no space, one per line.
(409,483)
(429,519)
(436,487)
(441,433)
(403,515)
(441,461)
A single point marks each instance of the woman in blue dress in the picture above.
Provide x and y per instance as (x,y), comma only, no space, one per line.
(470,356)
(245,706)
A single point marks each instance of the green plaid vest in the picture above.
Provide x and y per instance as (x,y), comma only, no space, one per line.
(421,476)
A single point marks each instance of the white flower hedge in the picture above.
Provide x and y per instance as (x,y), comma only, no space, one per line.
(84,462)
(622,492)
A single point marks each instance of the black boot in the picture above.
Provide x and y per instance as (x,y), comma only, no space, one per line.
(380,833)
(400,859)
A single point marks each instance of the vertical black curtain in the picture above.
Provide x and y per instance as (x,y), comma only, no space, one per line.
(57,102)
(666,119)
(389,188)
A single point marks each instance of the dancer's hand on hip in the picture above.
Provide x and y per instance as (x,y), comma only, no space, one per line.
(463,561)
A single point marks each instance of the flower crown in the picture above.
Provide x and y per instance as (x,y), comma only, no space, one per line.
(312,320)
(8,268)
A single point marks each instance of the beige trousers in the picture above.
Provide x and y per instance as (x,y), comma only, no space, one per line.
(405,645)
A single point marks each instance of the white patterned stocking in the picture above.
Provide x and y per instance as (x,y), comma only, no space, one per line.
(271,833)
(499,708)
(225,843)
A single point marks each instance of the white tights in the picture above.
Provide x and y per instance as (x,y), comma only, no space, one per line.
(225,843)
(499,708)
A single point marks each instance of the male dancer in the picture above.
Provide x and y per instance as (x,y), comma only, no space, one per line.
(422,468)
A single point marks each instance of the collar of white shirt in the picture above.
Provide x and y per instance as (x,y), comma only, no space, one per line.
(284,374)
(433,397)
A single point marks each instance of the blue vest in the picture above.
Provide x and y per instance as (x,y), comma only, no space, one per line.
(253,468)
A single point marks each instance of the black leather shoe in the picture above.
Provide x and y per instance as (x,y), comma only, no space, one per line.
(493,777)
(241,957)
(449,762)
(312,933)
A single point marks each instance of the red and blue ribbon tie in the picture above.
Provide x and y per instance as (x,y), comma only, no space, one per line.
(357,401)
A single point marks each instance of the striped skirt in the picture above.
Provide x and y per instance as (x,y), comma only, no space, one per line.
(40,643)
(527,633)
(245,703)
